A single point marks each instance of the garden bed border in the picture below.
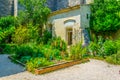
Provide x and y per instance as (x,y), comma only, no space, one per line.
(52,67)
(58,66)
(17,61)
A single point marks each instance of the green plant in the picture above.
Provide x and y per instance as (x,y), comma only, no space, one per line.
(28,50)
(35,63)
(50,54)
(118,44)
(46,37)
(36,11)
(114,59)
(7,48)
(24,59)
(105,16)
(77,52)
(93,48)
(26,34)
(7,28)
(109,47)
(58,43)
(7,22)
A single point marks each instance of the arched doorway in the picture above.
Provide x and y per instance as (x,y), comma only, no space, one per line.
(69,24)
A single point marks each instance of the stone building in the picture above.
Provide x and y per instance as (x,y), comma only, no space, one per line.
(69,18)
(8,7)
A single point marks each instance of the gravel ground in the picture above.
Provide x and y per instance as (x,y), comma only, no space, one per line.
(93,70)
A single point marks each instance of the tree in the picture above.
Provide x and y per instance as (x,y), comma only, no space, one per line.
(105,17)
(35,11)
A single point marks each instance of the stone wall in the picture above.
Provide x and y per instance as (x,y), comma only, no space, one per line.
(59,27)
(51,4)
(6,7)
(85,16)
(74,2)
(60,4)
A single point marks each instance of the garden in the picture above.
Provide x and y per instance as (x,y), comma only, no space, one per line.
(26,40)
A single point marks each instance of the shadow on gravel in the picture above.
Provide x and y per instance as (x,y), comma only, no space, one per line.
(7,67)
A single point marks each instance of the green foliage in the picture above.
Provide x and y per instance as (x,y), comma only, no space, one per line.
(57,43)
(114,59)
(26,34)
(77,52)
(7,48)
(27,50)
(109,47)
(37,63)
(93,48)
(103,47)
(35,11)
(7,22)
(7,27)
(5,34)
(50,53)
(105,16)
(46,37)
(118,44)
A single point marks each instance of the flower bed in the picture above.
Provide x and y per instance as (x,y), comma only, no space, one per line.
(58,66)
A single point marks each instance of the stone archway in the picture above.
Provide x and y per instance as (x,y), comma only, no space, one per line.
(69,24)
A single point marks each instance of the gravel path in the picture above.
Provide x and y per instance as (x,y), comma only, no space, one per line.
(93,70)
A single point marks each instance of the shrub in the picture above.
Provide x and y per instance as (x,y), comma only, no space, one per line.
(118,44)
(27,50)
(25,34)
(37,63)
(93,48)
(50,54)
(7,22)
(7,48)
(5,34)
(7,27)
(105,17)
(114,59)
(46,37)
(57,43)
(77,52)
(109,47)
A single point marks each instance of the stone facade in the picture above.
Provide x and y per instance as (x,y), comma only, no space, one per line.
(55,5)
(6,7)
(71,23)
(74,2)
(68,20)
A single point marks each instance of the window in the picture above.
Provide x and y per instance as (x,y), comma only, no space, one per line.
(87,15)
